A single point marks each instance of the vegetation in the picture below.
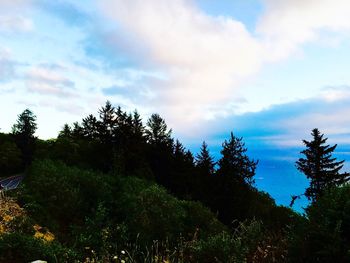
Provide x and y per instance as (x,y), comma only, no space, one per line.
(319,166)
(110,189)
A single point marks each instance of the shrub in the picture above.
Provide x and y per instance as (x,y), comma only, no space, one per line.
(16,247)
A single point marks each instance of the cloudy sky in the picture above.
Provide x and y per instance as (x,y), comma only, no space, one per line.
(270,70)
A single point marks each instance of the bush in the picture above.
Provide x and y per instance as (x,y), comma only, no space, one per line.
(325,236)
(16,247)
(229,248)
(59,196)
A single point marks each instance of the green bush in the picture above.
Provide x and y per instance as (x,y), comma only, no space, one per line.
(59,196)
(325,236)
(16,247)
(228,248)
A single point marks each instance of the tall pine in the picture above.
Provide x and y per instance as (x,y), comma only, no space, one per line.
(319,166)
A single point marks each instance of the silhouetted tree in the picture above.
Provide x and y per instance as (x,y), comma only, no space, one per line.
(232,183)
(24,131)
(234,162)
(90,126)
(204,175)
(137,126)
(319,166)
(157,131)
(107,122)
(204,161)
(77,131)
(66,132)
(160,150)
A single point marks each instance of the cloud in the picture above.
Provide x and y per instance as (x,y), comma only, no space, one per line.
(207,59)
(204,58)
(14,16)
(10,23)
(46,81)
(286,25)
(284,126)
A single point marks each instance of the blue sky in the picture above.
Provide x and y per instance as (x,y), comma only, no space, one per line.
(269,70)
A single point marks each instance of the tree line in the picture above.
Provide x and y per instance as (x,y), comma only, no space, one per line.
(118,147)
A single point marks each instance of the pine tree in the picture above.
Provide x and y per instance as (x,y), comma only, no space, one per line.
(66,132)
(234,162)
(107,122)
(137,126)
(24,131)
(320,167)
(157,131)
(204,161)
(90,127)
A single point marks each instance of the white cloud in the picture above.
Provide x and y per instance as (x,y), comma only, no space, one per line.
(15,23)
(287,24)
(204,57)
(14,16)
(49,82)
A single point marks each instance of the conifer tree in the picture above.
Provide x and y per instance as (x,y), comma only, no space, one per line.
(90,126)
(157,131)
(137,126)
(66,132)
(107,122)
(234,162)
(319,166)
(204,161)
(24,131)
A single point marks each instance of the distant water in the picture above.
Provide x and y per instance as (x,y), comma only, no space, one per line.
(281,180)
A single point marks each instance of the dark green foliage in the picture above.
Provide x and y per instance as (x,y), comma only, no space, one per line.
(57,195)
(157,131)
(23,132)
(204,162)
(153,214)
(325,236)
(231,248)
(234,162)
(17,248)
(10,156)
(82,186)
(320,167)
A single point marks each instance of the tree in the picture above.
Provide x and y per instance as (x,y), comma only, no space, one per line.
(90,127)
(235,163)
(204,175)
(24,131)
(204,161)
(66,132)
(107,122)
(157,131)
(320,167)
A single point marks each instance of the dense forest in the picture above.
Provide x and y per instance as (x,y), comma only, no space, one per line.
(112,188)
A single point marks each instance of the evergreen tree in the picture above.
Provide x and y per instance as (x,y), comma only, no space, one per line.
(320,167)
(77,131)
(137,126)
(66,132)
(232,183)
(204,161)
(234,162)
(24,131)
(157,131)
(90,127)
(107,122)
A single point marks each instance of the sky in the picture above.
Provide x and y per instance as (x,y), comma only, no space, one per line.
(268,70)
